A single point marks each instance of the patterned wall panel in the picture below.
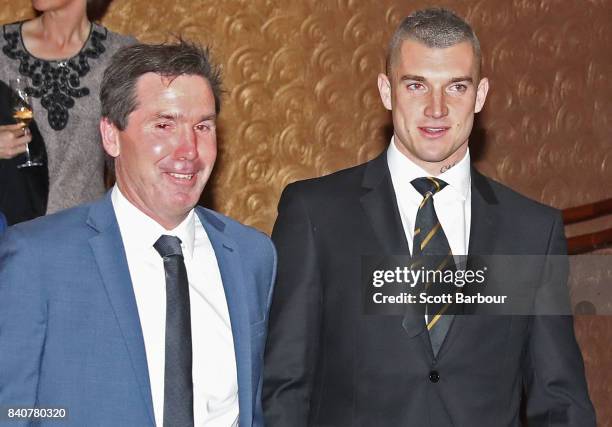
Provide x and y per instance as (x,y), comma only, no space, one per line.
(301,100)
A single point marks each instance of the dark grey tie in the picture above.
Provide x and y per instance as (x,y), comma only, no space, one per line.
(431,246)
(178,382)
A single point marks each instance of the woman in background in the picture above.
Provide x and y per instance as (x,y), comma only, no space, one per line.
(23,192)
(63,54)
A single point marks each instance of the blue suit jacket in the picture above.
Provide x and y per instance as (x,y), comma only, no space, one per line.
(70,334)
(2,222)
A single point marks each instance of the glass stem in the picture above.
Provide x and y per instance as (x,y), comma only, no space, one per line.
(27,152)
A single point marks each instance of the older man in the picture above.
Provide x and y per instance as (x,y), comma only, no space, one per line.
(330,364)
(140,309)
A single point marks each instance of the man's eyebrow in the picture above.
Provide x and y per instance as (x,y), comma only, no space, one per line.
(468,79)
(212,116)
(415,78)
(166,116)
(412,77)
(175,116)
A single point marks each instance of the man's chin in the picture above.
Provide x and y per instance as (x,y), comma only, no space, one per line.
(183,204)
(434,158)
(442,156)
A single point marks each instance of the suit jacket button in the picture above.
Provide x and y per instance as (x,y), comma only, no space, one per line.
(434,376)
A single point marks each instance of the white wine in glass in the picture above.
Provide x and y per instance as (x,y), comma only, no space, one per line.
(22,113)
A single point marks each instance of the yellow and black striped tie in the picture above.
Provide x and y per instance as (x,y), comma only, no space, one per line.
(432,251)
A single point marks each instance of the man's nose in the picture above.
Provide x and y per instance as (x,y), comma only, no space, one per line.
(436,105)
(187,148)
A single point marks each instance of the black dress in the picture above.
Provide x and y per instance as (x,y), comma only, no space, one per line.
(23,192)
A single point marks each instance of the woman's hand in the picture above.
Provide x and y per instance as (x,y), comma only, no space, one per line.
(13,140)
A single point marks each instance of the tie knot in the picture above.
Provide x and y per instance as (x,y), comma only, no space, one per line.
(428,184)
(168,246)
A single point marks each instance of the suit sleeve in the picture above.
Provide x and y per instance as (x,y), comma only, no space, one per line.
(22,326)
(556,389)
(258,420)
(295,317)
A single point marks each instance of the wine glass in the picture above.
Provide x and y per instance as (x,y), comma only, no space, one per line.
(22,113)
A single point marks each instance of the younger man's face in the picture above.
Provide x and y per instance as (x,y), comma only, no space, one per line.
(433,94)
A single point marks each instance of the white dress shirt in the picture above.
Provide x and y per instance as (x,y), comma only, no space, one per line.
(215,384)
(453,203)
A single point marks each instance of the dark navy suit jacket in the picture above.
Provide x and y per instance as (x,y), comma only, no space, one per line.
(329,364)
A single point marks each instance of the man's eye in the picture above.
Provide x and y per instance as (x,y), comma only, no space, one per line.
(414,86)
(162,125)
(458,87)
(203,127)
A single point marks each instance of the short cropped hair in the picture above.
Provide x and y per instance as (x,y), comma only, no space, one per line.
(118,88)
(435,28)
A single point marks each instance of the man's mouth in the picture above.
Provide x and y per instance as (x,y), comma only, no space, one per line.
(433,132)
(184,176)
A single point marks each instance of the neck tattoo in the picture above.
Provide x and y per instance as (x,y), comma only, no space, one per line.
(447,167)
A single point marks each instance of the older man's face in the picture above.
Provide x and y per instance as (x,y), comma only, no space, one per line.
(165,155)
(433,94)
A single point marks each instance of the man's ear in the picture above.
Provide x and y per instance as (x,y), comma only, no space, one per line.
(110,137)
(481,94)
(384,89)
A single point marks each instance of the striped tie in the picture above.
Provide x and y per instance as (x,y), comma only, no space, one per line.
(431,250)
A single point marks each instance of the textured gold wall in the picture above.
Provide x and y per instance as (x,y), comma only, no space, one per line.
(302,101)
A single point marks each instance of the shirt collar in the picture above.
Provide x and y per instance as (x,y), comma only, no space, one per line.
(405,170)
(141,231)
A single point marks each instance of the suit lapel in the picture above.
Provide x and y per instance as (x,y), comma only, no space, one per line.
(483,232)
(484,221)
(233,280)
(483,225)
(109,253)
(380,206)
